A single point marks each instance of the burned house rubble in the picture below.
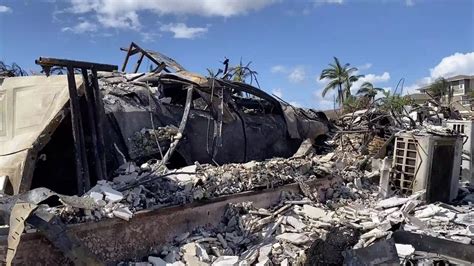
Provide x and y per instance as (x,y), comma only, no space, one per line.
(168,167)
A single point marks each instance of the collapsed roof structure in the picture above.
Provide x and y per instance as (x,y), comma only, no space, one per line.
(122,117)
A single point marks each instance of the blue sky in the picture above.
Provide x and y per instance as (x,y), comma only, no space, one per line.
(288,42)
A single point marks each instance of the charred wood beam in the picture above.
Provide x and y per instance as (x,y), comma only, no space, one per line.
(95,111)
(139,62)
(82,172)
(182,126)
(50,62)
(100,118)
(92,120)
(130,53)
(136,49)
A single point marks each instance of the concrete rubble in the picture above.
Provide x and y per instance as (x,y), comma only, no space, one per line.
(250,236)
(294,230)
(284,233)
(350,215)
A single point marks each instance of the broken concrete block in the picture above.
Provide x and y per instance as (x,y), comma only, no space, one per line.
(326,158)
(189,249)
(428,211)
(123,213)
(264,252)
(96,196)
(184,179)
(313,212)
(404,250)
(265,262)
(156,261)
(201,253)
(294,238)
(296,223)
(391,202)
(374,233)
(193,260)
(305,148)
(111,195)
(226,261)
(384,182)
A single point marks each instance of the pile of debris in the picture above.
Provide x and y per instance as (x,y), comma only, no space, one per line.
(153,186)
(284,233)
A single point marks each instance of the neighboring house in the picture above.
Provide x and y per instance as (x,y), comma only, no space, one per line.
(419,98)
(463,88)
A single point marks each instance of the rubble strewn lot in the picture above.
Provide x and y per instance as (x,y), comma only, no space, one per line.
(284,233)
(381,185)
(301,228)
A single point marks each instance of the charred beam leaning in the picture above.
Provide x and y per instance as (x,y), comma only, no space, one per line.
(91,113)
(182,125)
(82,171)
(95,116)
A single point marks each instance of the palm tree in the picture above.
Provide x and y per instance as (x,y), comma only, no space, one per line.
(340,78)
(368,90)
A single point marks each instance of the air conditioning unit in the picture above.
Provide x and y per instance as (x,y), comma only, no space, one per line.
(423,161)
(465,127)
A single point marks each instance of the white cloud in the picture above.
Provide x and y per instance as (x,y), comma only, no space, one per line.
(278,69)
(125,13)
(181,31)
(294,74)
(5,9)
(297,74)
(372,78)
(319,2)
(364,66)
(455,64)
(149,36)
(449,66)
(278,93)
(409,2)
(127,20)
(82,27)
